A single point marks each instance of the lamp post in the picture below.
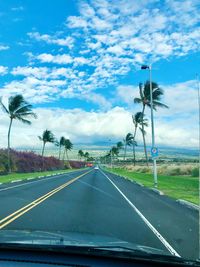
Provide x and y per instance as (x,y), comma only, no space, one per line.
(144,67)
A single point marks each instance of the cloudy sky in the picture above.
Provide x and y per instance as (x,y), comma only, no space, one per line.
(79,64)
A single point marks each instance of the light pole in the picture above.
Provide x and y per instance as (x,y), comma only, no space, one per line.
(144,67)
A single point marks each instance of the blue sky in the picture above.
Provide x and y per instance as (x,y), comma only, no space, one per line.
(78,63)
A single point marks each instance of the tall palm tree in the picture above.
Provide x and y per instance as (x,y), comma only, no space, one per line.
(86,155)
(47,137)
(61,144)
(68,146)
(120,145)
(138,120)
(18,109)
(127,142)
(80,154)
(114,151)
(145,100)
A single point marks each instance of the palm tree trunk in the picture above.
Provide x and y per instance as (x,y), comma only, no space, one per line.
(125,151)
(63,155)
(9,160)
(67,155)
(134,154)
(59,152)
(68,159)
(134,145)
(143,136)
(43,149)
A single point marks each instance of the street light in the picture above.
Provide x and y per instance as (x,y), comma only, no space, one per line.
(144,67)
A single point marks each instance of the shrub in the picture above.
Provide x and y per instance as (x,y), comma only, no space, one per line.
(195,172)
(4,161)
(22,162)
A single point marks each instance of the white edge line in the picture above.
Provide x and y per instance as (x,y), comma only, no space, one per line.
(159,236)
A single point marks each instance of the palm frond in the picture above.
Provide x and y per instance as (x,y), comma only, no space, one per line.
(25,114)
(159,104)
(3,106)
(137,100)
(23,108)
(48,136)
(24,120)
(15,102)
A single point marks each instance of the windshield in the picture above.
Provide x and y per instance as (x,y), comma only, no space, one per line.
(99,125)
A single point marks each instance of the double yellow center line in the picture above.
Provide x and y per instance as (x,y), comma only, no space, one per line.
(12,217)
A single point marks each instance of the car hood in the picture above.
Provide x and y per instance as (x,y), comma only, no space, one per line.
(71,239)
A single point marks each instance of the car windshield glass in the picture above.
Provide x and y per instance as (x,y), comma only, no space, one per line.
(99,125)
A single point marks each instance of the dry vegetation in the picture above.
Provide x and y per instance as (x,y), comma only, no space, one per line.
(167,169)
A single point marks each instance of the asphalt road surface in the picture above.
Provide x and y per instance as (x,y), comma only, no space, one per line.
(101,204)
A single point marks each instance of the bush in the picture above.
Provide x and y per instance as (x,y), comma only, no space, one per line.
(28,162)
(4,162)
(23,162)
(195,172)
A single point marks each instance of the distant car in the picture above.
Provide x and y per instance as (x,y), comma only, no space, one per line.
(96,167)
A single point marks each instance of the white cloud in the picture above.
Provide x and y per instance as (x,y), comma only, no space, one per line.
(33,89)
(67,41)
(76,22)
(126,94)
(182,98)
(4,47)
(19,8)
(58,59)
(40,72)
(110,39)
(3,70)
(88,127)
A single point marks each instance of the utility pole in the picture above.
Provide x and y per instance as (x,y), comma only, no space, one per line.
(144,67)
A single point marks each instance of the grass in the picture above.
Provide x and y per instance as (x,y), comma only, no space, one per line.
(178,187)
(23,176)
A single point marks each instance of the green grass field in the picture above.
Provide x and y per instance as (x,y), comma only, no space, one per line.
(23,176)
(178,187)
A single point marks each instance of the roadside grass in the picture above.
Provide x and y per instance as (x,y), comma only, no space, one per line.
(178,187)
(23,176)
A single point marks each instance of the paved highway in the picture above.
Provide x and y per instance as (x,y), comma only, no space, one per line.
(101,204)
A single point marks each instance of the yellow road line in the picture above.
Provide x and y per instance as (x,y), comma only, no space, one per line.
(10,218)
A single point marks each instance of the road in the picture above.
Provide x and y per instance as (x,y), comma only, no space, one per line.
(101,204)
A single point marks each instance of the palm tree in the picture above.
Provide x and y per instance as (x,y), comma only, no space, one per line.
(120,145)
(18,109)
(80,154)
(134,144)
(138,120)
(145,100)
(61,143)
(127,142)
(115,151)
(68,146)
(86,155)
(47,137)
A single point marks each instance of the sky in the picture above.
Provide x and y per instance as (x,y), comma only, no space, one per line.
(79,64)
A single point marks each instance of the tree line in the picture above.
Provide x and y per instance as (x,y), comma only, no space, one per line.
(139,121)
